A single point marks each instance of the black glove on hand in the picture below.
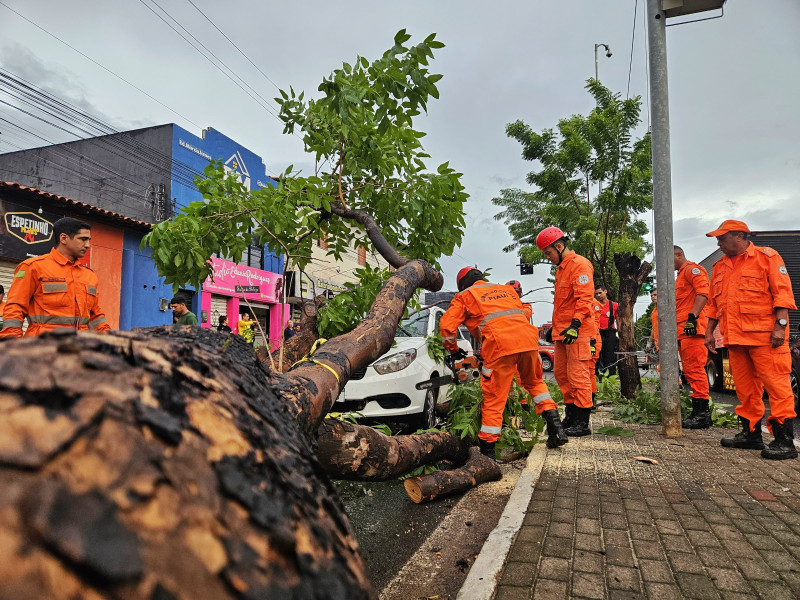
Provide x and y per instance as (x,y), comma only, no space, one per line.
(593,346)
(691,325)
(571,333)
(451,359)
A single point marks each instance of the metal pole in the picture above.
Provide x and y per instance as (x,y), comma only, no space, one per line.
(596,67)
(662,210)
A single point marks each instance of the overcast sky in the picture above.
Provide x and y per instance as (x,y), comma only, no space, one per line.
(734,88)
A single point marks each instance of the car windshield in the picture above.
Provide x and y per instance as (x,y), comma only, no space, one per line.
(414,326)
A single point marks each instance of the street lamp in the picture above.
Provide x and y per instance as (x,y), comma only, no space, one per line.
(608,55)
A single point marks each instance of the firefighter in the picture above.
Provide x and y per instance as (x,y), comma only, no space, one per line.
(608,331)
(652,342)
(596,347)
(750,302)
(54,290)
(508,344)
(541,386)
(573,328)
(691,295)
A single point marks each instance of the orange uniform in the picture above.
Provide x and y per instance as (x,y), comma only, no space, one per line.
(745,291)
(508,344)
(52,292)
(654,325)
(574,298)
(692,281)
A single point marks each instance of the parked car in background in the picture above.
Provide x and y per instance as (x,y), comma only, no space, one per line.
(385,389)
(547,354)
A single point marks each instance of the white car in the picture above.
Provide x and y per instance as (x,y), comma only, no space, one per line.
(386,387)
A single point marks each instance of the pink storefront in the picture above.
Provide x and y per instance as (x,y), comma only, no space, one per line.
(225,294)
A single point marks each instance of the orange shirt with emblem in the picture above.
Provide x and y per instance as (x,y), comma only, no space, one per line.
(52,292)
(654,323)
(574,297)
(495,317)
(745,293)
(690,282)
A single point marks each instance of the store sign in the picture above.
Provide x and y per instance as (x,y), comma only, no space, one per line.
(24,233)
(231,279)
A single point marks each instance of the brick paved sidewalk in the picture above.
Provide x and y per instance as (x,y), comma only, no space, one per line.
(706,522)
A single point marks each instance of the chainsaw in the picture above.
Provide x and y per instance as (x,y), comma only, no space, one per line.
(464,370)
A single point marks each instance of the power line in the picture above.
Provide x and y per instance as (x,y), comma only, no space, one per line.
(633,39)
(52,35)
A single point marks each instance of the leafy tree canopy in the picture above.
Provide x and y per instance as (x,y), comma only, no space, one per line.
(573,158)
(369,161)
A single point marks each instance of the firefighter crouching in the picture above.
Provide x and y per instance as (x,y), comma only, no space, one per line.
(573,328)
(751,296)
(508,344)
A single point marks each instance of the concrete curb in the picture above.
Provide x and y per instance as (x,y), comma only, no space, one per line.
(482,579)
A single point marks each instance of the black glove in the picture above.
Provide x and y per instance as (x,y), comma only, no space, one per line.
(691,325)
(571,333)
(593,346)
(450,360)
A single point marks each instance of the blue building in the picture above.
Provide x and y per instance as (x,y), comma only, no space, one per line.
(148,174)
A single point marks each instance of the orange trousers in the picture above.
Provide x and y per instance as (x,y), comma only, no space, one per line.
(496,378)
(573,370)
(694,356)
(756,368)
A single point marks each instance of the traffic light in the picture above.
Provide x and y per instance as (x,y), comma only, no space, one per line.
(649,284)
(525,268)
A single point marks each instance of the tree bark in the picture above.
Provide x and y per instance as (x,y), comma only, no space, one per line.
(358,452)
(632,271)
(478,469)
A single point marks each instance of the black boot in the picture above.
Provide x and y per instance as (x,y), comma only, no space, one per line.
(487,448)
(700,417)
(749,440)
(555,433)
(594,406)
(783,445)
(580,424)
(569,416)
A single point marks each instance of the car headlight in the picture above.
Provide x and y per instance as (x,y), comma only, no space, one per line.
(395,362)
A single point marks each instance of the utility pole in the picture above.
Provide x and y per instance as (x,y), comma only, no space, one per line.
(662,211)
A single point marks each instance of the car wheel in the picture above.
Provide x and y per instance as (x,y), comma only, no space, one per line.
(427,418)
(547,362)
(714,377)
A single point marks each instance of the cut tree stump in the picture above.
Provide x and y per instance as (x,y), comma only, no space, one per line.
(478,469)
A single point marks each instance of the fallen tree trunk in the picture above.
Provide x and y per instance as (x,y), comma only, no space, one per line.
(478,469)
(358,452)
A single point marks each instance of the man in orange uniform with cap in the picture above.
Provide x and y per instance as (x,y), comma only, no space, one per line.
(751,296)
(53,290)
(596,347)
(573,328)
(508,344)
(653,340)
(691,295)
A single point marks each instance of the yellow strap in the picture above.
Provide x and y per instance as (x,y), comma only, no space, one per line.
(314,347)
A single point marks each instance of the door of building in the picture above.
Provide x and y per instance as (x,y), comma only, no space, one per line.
(219,308)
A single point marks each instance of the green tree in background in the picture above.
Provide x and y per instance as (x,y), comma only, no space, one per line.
(605,227)
(370,188)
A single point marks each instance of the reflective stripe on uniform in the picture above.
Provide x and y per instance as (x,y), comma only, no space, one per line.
(99,321)
(56,320)
(92,290)
(11,323)
(54,287)
(489,429)
(500,313)
(541,398)
(449,339)
(486,372)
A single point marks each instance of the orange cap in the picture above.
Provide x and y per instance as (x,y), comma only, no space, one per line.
(729,225)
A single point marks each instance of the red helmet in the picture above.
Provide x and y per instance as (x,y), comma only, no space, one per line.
(516,285)
(462,274)
(548,237)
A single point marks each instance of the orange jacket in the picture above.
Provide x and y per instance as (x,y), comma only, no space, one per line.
(691,281)
(52,292)
(494,316)
(598,310)
(745,294)
(528,308)
(574,296)
(654,323)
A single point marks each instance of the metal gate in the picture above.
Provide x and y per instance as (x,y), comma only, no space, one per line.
(7,268)
(219,308)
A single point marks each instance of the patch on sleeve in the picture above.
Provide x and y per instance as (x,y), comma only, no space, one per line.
(782,269)
(19,274)
(596,308)
(696,271)
(583,279)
